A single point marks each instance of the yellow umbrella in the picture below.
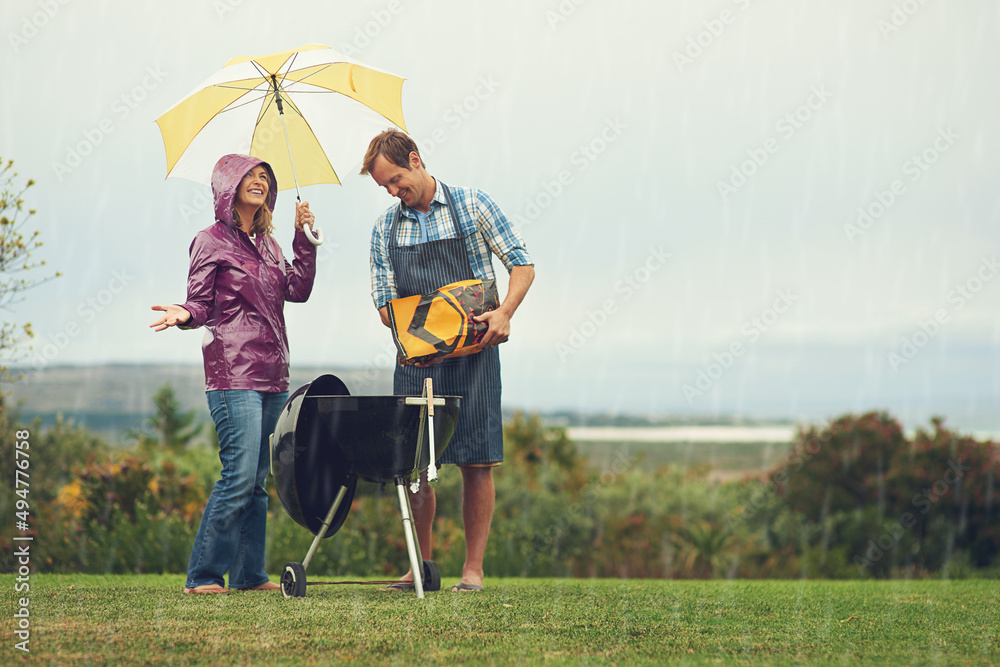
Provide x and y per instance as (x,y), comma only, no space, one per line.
(312,102)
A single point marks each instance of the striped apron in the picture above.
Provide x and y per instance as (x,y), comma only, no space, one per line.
(421,269)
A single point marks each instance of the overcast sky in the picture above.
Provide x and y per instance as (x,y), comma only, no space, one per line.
(783,209)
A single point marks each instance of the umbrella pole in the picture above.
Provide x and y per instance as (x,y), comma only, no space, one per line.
(317,238)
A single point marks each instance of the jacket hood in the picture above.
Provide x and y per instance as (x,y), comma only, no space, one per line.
(228,172)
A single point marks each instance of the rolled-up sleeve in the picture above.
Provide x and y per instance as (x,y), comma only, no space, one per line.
(383,280)
(201,281)
(500,233)
(301,272)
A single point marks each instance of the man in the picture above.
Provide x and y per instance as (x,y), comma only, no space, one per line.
(435,236)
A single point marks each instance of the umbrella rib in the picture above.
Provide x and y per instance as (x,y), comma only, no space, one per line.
(313,133)
(290,61)
(264,74)
(222,85)
(295,108)
(311,92)
(287,71)
(270,92)
(303,79)
(253,101)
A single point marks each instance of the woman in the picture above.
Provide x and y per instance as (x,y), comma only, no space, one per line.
(238,282)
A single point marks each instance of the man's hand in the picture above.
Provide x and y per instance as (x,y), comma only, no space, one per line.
(498,322)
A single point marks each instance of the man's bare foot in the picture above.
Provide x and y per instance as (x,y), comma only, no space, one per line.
(462,587)
(472,580)
(404,584)
(207,589)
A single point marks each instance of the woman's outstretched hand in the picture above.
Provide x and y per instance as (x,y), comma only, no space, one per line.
(173,315)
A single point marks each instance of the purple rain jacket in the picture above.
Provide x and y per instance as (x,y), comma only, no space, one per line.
(237,290)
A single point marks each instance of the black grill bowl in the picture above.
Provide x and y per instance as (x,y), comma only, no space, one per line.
(378,435)
(308,467)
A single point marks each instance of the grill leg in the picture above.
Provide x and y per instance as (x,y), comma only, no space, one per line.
(326,524)
(416,539)
(412,545)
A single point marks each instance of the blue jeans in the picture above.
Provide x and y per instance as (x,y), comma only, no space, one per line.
(232,531)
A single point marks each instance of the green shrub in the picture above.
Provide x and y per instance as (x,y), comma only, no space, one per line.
(855,498)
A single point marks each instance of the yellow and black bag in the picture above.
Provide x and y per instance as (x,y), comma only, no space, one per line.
(440,324)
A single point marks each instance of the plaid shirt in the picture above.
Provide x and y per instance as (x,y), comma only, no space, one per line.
(476,210)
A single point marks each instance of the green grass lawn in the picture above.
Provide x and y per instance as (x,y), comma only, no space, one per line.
(147,620)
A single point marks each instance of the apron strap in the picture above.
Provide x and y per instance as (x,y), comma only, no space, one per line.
(451,210)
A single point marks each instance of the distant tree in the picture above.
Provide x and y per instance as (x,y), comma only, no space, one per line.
(704,549)
(888,503)
(16,248)
(945,486)
(175,429)
(529,441)
(843,466)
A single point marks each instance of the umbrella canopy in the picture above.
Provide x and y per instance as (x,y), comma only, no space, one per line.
(312,103)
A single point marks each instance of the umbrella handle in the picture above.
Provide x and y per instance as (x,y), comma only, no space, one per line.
(315,237)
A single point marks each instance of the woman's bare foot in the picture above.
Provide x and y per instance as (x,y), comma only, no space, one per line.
(266,586)
(207,589)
